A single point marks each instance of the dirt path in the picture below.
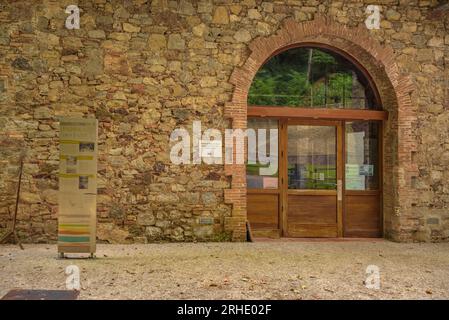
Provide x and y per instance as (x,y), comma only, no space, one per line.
(263,270)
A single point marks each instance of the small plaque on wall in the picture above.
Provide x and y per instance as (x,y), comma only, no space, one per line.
(206,220)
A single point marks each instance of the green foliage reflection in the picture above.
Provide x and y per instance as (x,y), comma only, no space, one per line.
(308,77)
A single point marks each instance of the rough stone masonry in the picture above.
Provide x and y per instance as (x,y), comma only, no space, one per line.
(144,68)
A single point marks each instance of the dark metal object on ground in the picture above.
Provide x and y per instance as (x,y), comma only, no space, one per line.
(249,234)
(21,294)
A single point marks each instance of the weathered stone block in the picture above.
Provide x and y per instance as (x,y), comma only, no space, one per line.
(176,42)
(146,219)
(221,15)
(21,64)
(30,197)
(153,233)
(96,34)
(242,36)
(207,82)
(127,27)
(43,113)
(157,41)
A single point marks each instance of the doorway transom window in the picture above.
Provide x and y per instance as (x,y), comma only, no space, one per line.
(309,77)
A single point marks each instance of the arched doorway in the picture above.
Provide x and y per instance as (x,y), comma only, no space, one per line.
(328,117)
(395,91)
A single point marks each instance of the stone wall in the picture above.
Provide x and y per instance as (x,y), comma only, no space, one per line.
(144,68)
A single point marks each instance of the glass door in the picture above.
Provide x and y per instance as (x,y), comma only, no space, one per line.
(363,192)
(313,183)
(263,193)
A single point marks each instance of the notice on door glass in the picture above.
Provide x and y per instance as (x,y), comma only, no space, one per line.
(354,180)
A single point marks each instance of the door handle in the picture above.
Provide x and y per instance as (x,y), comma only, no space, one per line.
(339,190)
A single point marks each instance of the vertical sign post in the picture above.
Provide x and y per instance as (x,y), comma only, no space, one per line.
(77,185)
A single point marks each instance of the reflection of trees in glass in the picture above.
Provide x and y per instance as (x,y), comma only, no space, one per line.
(335,91)
(311,176)
(306,77)
(254,169)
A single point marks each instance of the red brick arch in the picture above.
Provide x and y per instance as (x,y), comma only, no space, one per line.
(395,91)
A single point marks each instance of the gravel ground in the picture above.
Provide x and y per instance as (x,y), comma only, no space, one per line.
(261,270)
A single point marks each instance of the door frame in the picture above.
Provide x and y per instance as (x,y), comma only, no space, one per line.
(285,192)
(328,117)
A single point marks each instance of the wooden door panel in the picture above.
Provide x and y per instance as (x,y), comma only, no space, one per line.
(362,216)
(312,215)
(312,209)
(263,211)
